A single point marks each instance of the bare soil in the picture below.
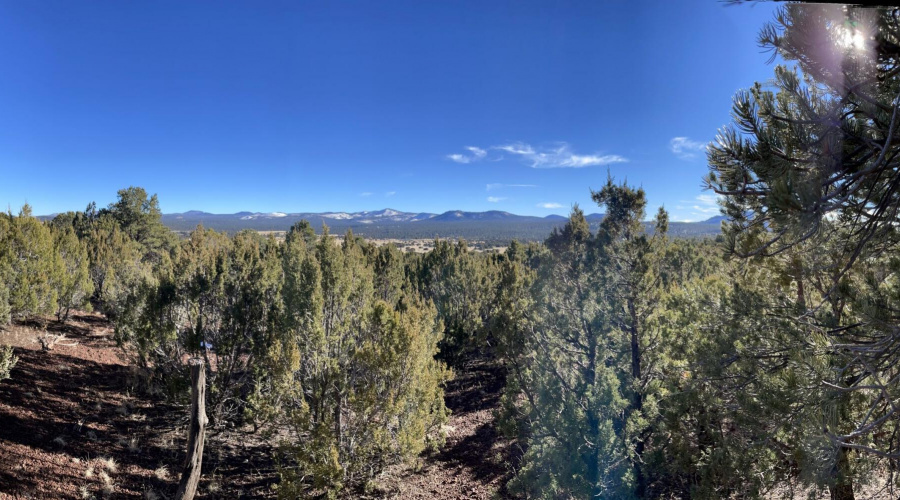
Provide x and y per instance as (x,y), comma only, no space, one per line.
(475,461)
(72,425)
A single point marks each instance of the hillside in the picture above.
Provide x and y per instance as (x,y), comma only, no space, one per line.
(493,226)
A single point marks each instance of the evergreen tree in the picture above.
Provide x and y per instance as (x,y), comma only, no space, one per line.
(368,386)
(574,405)
(810,163)
(631,262)
(31,265)
(74,286)
(116,266)
(140,218)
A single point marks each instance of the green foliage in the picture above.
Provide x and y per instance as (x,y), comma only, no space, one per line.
(808,177)
(371,387)
(139,217)
(74,286)
(462,285)
(321,337)
(29,265)
(582,352)
(116,268)
(8,361)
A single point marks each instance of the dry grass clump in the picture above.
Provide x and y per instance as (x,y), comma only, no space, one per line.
(110,464)
(108,488)
(161,473)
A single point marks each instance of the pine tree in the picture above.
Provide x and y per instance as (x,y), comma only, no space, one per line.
(814,159)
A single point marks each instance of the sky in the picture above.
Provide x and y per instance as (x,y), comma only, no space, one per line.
(313,105)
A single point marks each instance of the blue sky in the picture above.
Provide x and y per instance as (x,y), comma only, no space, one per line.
(356,105)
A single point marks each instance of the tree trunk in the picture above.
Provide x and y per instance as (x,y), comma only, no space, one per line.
(190,476)
(843,487)
(637,403)
(593,461)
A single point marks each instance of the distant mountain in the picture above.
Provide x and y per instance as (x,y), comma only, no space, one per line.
(715,220)
(493,226)
(457,215)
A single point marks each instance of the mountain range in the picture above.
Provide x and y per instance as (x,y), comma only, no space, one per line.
(493,225)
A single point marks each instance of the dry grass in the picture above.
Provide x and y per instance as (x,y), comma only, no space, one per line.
(110,464)
(161,473)
(84,493)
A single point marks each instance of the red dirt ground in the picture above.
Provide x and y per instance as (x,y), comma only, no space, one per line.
(65,412)
(474,462)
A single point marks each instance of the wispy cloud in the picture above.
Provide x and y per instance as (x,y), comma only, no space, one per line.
(685,148)
(706,204)
(491,187)
(458,158)
(495,199)
(549,204)
(474,154)
(390,193)
(560,155)
(365,194)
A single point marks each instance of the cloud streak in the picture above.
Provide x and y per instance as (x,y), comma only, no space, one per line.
(685,148)
(706,204)
(474,154)
(549,204)
(495,199)
(560,155)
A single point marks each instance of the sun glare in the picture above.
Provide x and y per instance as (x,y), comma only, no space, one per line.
(851,38)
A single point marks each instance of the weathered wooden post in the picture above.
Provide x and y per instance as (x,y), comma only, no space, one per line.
(190,476)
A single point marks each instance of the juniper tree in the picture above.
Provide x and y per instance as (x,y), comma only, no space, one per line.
(116,265)
(140,217)
(74,285)
(32,267)
(630,261)
(460,283)
(573,401)
(367,388)
(5,268)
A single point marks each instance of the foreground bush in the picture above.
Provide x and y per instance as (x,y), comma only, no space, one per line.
(8,360)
